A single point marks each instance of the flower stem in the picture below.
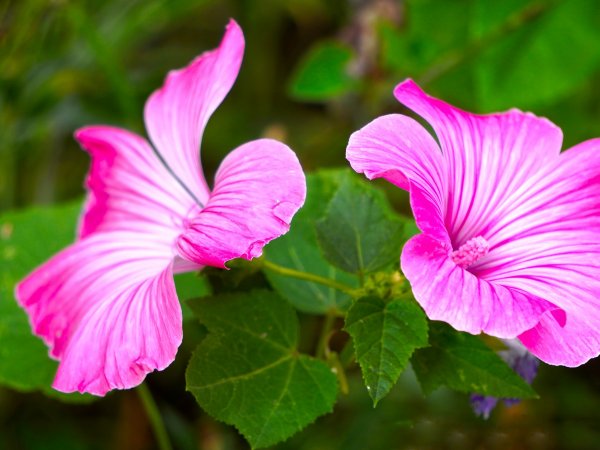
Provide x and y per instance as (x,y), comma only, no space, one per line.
(323,344)
(347,355)
(308,277)
(338,368)
(154,417)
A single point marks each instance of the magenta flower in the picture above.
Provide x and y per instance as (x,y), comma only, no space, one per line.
(106,306)
(510,241)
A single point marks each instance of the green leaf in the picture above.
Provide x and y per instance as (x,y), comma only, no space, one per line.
(420,42)
(385,335)
(360,233)
(248,372)
(323,73)
(27,239)
(536,63)
(463,362)
(190,285)
(298,249)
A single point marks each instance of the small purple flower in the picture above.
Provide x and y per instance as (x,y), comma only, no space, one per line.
(483,405)
(522,362)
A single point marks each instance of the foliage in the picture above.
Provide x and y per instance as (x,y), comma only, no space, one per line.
(465,363)
(24,361)
(359,233)
(248,371)
(298,249)
(385,334)
(323,73)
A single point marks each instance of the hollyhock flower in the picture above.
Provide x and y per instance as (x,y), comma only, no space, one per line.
(510,241)
(522,362)
(107,306)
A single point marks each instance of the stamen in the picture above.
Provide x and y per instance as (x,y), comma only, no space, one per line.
(470,252)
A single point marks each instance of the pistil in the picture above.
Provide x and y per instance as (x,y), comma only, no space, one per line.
(470,252)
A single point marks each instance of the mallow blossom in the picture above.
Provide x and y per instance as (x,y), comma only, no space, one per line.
(106,306)
(510,241)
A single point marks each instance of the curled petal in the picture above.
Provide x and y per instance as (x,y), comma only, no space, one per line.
(450,293)
(177,113)
(490,161)
(258,188)
(108,310)
(398,149)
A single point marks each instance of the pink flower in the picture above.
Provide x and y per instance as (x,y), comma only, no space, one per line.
(510,241)
(106,306)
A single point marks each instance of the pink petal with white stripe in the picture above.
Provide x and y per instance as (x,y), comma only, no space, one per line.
(107,306)
(398,149)
(519,251)
(449,292)
(570,345)
(129,188)
(177,113)
(258,188)
(490,161)
(108,310)
(559,259)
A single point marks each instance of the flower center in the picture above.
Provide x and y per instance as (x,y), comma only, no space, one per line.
(470,252)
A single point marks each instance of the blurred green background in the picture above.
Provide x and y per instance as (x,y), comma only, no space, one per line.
(314,71)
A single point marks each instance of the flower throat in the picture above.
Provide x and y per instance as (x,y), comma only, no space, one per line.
(470,252)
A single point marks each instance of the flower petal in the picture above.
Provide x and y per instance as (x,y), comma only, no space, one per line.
(570,345)
(258,189)
(398,149)
(108,310)
(450,293)
(489,160)
(177,113)
(550,246)
(129,188)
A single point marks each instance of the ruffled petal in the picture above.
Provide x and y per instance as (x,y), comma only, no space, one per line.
(108,310)
(571,344)
(490,160)
(129,188)
(177,113)
(258,189)
(398,149)
(450,293)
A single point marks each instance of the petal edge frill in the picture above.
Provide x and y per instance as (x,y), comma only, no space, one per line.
(107,308)
(452,294)
(258,189)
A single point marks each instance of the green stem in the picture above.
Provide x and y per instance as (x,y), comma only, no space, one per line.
(323,344)
(347,355)
(308,277)
(154,416)
(337,367)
